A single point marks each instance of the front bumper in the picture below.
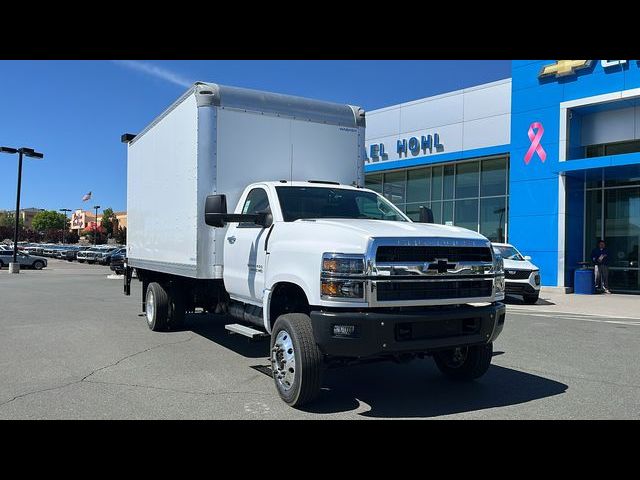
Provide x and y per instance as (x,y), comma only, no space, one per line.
(520,288)
(407,331)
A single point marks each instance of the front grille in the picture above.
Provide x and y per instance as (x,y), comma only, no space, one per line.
(398,291)
(387,254)
(516,274)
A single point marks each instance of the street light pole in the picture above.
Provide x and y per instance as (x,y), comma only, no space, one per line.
(64,210)
(28,152)
(95,232)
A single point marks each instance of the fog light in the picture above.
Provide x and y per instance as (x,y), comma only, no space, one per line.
(344,330)
(537,279)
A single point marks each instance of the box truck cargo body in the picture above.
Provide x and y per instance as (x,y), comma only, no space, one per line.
(218,139)
(251,206)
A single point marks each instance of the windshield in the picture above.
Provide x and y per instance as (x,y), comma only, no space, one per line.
(323,202)
(510,253)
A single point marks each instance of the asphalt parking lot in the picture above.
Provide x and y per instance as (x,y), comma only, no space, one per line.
(73,347)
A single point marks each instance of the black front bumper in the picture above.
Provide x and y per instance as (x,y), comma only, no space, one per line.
(519,288)
(412,331)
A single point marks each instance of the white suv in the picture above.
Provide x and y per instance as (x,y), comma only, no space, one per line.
(521,276)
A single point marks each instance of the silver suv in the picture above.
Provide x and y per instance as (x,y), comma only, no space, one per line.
(24,259)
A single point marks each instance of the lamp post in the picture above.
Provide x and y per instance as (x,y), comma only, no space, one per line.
(64,210)
(27,152)
(95,232)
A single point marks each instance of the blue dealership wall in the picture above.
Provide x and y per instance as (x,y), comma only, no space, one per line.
(534,203)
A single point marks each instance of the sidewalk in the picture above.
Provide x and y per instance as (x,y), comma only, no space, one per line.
(614,305)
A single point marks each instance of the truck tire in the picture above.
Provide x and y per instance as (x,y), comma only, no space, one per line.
(38,265)
(157,307)
(296,360)
(465,363)
(531,299)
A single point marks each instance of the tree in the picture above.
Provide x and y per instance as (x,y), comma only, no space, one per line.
(47,220)
(8,219)
(121,235)
(107,221)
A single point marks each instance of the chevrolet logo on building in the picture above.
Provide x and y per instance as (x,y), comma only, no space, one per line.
(562,68)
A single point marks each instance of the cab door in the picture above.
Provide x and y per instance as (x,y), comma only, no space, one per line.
(244,253)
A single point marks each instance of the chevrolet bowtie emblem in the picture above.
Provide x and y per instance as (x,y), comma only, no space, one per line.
(562,68)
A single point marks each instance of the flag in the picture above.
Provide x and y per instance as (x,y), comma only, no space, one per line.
(86,197)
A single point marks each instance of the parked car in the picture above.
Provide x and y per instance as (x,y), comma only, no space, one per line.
(87,255)
(521,276)
(118,261)
(24,259)
(107,257)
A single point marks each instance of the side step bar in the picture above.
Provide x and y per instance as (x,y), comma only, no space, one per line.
(245,331)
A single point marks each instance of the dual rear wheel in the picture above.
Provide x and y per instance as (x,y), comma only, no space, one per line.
(164,310)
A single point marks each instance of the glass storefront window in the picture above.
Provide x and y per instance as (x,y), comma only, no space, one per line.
(448,184)
(473,184)
(467,179)
(447,213)
(374,182)
(419,185)
(394,186)
(466,214)
(436,208)
(413,210)
(493,212)
(436,183)
(592,221)
(494,177)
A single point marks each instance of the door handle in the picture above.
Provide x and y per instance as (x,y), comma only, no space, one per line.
(231,240)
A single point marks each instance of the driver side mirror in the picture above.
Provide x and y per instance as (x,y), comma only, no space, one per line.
(527,258)
(426,214)
(215,208)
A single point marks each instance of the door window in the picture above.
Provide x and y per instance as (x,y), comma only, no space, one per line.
(257,202)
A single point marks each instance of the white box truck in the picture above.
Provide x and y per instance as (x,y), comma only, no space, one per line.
(333,272)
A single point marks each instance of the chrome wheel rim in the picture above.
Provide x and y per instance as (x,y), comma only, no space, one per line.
(283,360)
(149,307)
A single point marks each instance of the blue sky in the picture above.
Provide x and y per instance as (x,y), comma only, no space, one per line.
(75,111)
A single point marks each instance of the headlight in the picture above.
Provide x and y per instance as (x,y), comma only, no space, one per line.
(341,277)
(337,263)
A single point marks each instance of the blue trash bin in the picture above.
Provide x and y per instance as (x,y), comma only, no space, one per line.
(584,281)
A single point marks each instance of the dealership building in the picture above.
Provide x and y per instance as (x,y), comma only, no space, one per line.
(547,160)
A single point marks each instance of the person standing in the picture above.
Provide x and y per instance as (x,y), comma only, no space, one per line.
(600,258)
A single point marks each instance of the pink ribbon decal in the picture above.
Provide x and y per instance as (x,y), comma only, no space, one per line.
(535,138)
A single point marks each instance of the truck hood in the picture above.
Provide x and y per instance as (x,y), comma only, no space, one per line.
(382,228)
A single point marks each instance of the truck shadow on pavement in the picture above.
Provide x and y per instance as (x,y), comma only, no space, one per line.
(212,328)
(418,389)
(390,390)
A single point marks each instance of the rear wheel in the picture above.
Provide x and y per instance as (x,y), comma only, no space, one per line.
(465,363)
(38,265)
(531,299)
(296,360)
(157,307)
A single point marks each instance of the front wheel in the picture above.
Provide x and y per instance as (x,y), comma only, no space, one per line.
(531,299)
(465,363)
(38,265)
(296,360)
